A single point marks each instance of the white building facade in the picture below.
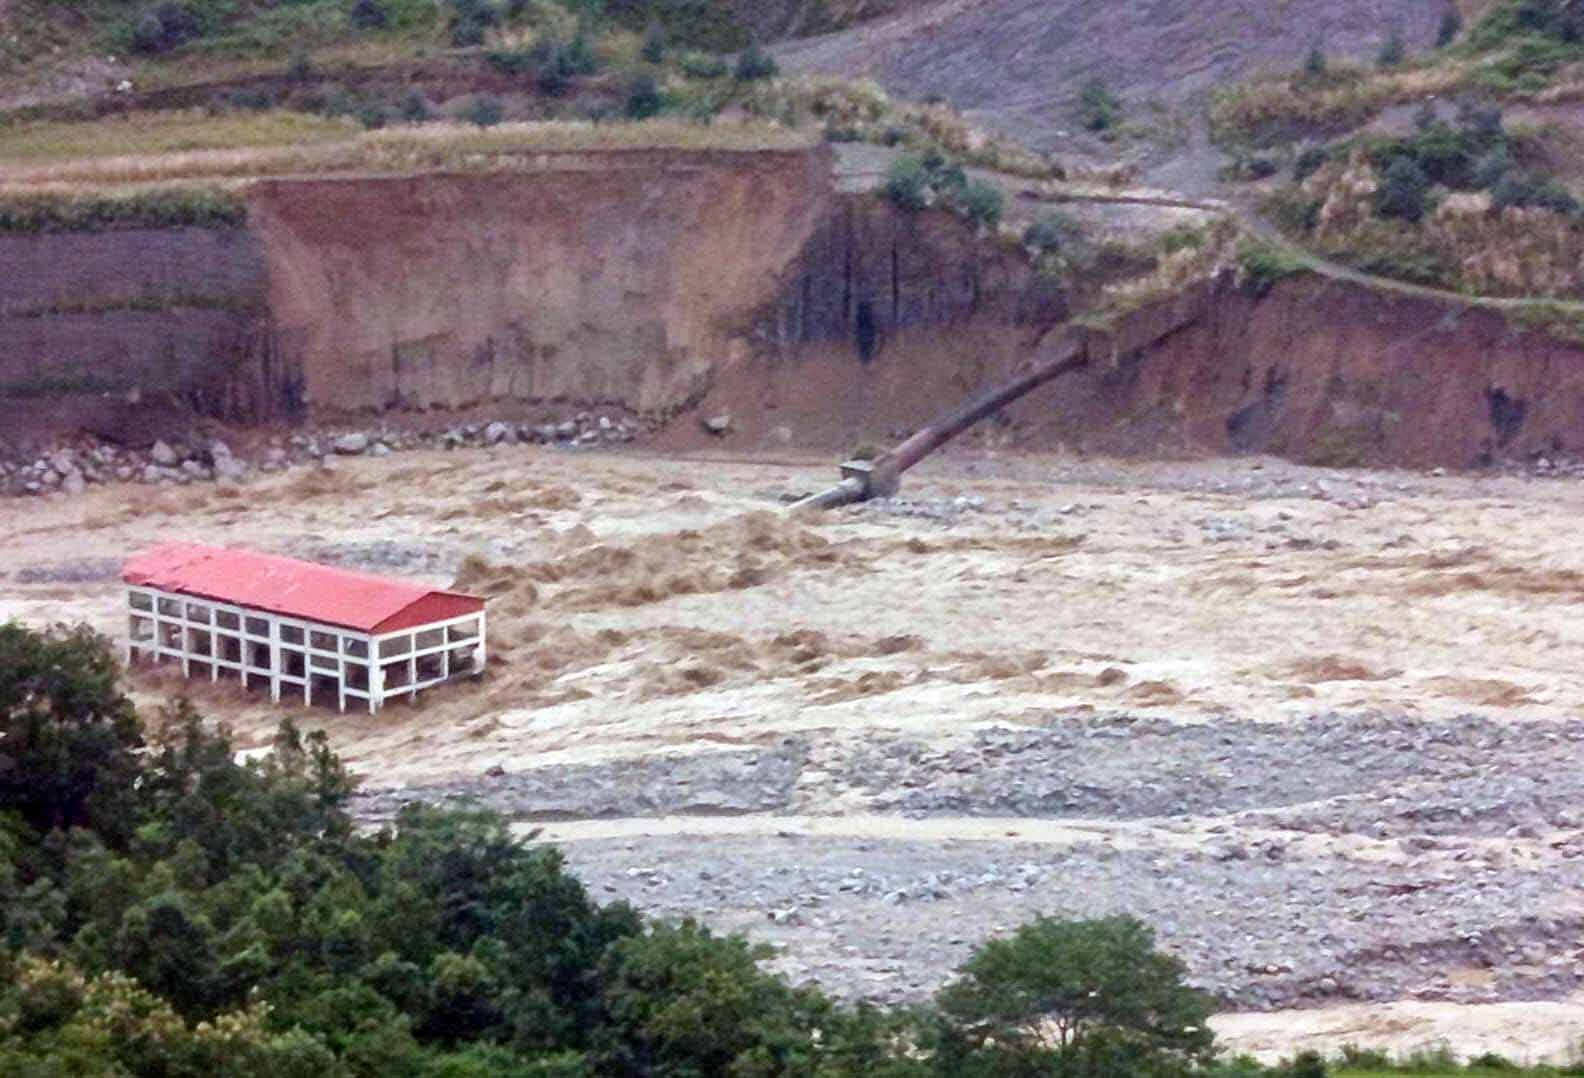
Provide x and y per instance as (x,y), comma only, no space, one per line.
(331,635)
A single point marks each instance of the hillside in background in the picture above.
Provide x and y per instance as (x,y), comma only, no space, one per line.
(1015,66)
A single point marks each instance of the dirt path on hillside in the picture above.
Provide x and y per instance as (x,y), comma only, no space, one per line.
(1320,728)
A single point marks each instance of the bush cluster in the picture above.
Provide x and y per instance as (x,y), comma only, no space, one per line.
(1099,108)
(916,181)
(1474,154)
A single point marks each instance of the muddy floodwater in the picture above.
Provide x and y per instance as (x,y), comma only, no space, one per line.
(1322,729)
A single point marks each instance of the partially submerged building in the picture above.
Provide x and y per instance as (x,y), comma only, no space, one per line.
(329,633)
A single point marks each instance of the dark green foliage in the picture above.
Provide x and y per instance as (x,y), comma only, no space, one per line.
(643,98)
(1308,1064)
(1451,26)
(1315,62)
(1526,191)
(165,26)
(1559,19)
(369,15)
(907,183)
(552,64)
(1099,109)
(1291,210)
(981,203)
(1446,154)
(1051,232)
(1262,265)
(68,738)
(1309,161)
(414,107)
(471,20)
(1391,51)
(1094,993)
(697,66)
(754,64)
(654,42)
(1404,190)
(485,110)
(299,68)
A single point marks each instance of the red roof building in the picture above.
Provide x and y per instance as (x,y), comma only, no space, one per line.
(298,624)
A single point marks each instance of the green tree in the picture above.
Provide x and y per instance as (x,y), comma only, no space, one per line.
(69,738)
(1091,993)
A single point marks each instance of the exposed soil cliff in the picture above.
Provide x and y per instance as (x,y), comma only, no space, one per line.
(595,278)
(1321,371)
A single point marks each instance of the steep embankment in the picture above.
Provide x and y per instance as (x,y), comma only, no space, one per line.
(1323,371)
(594,277)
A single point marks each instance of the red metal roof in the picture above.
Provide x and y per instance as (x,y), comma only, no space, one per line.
(298,589)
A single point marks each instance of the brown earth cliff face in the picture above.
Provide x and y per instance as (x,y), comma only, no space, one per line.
(1322,371)
(597,278)
(741,282)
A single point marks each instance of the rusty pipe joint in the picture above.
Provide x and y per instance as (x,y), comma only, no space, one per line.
(878,478)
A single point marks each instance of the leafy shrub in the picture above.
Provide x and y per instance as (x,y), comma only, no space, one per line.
(1050,232)
(369,15)
(703,66)
(1523,191)
(981,203)
(643,98)
(1099,109)
(1404,190)
(1445,154)
(1309,161)
(1307,1064)
(907,183)
(164,27)
(485,110)
(1292,211)
(471,21)
(1261,265)
(653,50)
(1315,62)
(299,68)
(754,65)
(414,107)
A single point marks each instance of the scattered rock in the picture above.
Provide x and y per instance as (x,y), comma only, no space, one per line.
(350,445)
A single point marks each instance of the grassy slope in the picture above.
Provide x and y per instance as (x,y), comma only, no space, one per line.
(1506,57)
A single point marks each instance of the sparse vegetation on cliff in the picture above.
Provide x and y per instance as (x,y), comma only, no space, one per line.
(161,207)
(1466,205)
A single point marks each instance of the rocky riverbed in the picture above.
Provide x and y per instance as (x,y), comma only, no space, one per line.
(1344,857)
